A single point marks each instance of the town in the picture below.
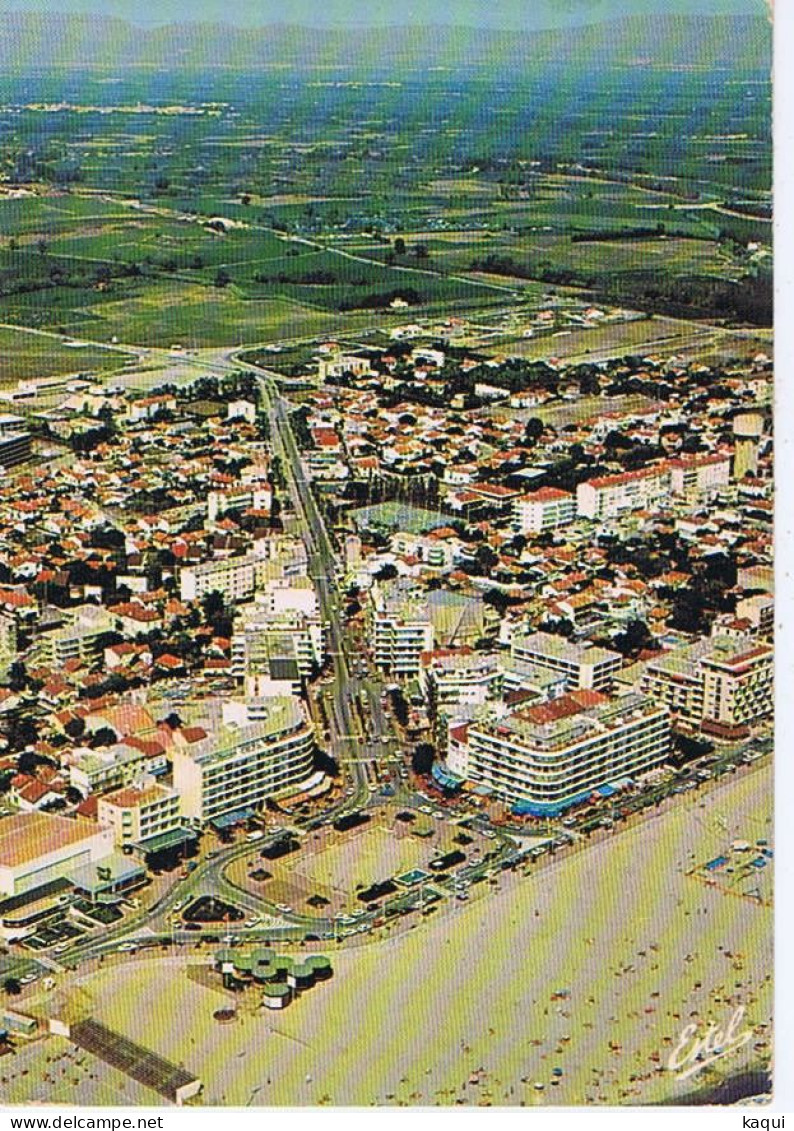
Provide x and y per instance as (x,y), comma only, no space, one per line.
(413,587)
(387,604)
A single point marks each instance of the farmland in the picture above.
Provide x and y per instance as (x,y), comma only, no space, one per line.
(26,354)
(148,212)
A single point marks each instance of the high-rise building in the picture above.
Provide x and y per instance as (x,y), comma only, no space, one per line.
(227,769)
(584,665)
(544,758)
(720,685)
(402,628)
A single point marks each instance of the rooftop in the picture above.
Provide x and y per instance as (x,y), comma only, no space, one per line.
(25,837)
(557,647)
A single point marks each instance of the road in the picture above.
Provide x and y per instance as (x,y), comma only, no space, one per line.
(349,744)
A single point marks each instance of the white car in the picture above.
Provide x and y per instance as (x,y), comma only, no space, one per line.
(489,833)
(426,809)
(61,947)
(256,835)
(130,946)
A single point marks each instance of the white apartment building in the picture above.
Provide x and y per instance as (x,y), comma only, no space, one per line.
(434,553)
(721,685)
(146,407)
(284,612)
(582,664)
(287,554)
(607,496)
(401,627)
(140,812)
(340,363)
(459,679)
(78,638)
(233,768)
(96,771)
(696,476)
(234,578)
(259,496)
(544,758)
(546,509)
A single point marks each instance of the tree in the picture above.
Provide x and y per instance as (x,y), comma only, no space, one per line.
(75,728)
(222,278)
(212,605)
(485,559)
(534,430)
(422,758)
(387,572)
(634,638)
(12,986)
(103,737)
(21,733)
(399,246)
(399,706)
(17,676)
(323,761)
(497,599)
(589,384)
(561,627)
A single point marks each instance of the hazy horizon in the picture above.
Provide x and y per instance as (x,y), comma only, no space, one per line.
(500,14)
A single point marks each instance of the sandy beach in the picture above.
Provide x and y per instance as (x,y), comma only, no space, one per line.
(572,986)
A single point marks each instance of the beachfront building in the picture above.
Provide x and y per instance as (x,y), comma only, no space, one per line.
(140,812)
(543,758)
(583,665)
(722,685)
(226,768)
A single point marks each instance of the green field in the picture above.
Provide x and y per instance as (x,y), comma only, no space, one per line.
(103,267)
(25,354)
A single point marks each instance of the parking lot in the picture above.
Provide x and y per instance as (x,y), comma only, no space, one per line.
(333,869)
